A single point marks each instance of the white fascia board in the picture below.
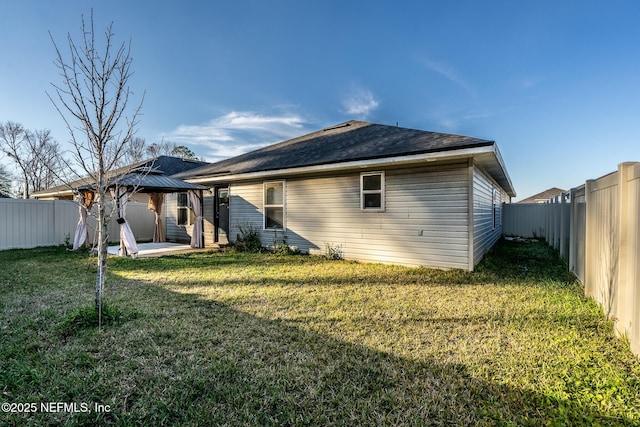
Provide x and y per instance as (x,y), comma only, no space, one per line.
(359,164)
(511,190)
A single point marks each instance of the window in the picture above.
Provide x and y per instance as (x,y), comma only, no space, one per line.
(185,214)
(274,215)
(372,191)
(494,207)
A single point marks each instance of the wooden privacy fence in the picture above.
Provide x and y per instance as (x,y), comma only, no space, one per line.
(32,223)
(596,229)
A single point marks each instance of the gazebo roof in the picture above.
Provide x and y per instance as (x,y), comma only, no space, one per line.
(143,181)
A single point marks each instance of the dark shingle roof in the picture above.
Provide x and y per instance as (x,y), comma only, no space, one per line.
(169,165)
(350,141)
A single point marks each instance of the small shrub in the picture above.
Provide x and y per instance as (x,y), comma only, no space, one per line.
(333,251)
(249,239)
(283,248)
(67,241)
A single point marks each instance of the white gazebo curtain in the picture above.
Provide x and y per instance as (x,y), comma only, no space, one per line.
(81,236)
(196,207)
(127,239)
(155,205)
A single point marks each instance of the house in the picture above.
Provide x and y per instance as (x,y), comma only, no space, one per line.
(544,196)
(374,192)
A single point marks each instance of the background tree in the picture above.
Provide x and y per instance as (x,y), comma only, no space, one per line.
(183,152)
(135,152)
(5,182)
(93,98)
(160,149)
(46,167)
(35,155)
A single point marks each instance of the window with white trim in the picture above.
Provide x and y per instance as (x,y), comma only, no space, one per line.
(274,198)
(185,213)
(372,191)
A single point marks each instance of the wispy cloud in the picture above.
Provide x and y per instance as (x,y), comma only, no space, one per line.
(236,133)
(450,73)
(458,121)
(360,102)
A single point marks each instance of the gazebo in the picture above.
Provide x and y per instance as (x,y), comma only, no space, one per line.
(146,181)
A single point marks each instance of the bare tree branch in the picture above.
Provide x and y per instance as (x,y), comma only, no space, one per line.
(93,98)
(35,154)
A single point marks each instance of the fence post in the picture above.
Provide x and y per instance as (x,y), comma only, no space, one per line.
(564,226)
(573,232)
(556,223)
(550,223)
(625,288)
(589,249)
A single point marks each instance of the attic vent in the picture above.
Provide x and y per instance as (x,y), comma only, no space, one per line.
(344,125)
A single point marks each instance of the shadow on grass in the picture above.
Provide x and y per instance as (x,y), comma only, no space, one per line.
(239,369)
(188,360)
(534,261)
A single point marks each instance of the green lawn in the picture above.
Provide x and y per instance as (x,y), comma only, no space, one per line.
(258,339)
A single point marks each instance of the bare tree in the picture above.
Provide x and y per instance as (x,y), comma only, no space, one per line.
(35,155)
(47,161)
(135,152)
(5,182)
(13,136)
(93,98)
(161,149)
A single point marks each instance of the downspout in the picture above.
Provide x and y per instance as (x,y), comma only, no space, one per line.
(470,216)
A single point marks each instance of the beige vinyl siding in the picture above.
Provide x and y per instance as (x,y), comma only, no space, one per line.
(485,235)
(245,208)
(182,233)
(425,221)
(173,231)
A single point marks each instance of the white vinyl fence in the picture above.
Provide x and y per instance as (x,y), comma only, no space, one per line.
(32,223)
(596,229)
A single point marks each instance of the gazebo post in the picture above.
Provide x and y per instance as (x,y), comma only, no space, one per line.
(123,247)
(202,217)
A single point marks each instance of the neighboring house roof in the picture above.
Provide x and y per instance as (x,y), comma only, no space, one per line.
(354,144)
(165,165)
(543,196)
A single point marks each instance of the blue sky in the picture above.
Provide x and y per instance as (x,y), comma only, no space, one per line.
(555,83)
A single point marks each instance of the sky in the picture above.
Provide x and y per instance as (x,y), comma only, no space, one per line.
(555,83)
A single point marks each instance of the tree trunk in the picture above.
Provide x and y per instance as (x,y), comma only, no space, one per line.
(102,255)
(103,239)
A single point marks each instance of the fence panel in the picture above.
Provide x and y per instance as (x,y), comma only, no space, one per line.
(597,230)
(524,220)
(602,244)
(32,223)
(629,295)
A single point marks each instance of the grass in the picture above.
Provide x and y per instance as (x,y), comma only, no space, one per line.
(258,339)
